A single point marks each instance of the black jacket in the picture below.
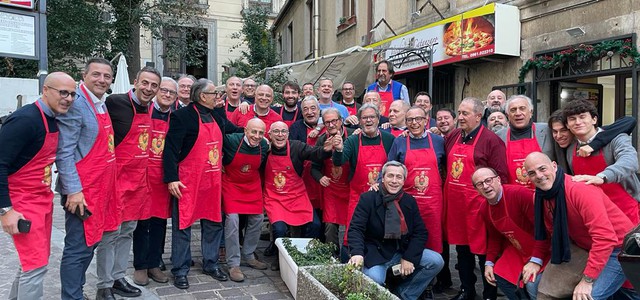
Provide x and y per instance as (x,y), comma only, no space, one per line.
(366,231)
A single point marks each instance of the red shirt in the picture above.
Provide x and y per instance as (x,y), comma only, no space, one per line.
(241,120)
(595,224)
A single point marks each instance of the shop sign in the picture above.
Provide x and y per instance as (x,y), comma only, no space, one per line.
(18,3)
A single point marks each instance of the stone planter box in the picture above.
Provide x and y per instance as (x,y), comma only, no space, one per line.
(310,288)
(288,268)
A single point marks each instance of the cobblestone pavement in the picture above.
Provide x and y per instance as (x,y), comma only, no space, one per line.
(259,285)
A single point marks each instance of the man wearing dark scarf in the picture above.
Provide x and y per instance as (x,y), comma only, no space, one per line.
(568,211)
(387,230)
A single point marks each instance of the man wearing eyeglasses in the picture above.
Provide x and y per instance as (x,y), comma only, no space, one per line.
(29,138)
(333,179)
(509,216)
(149,236)
(422,152)
(184,88)
(129,113)
(285,196)
(249,91)
(467,147)
(522,137)
(86,175)
(348,98)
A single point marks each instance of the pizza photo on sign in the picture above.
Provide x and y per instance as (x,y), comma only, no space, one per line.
(468,35)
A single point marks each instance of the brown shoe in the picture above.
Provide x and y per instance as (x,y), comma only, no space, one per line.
(235,274)
(140,277)
(158,276)
(256,264)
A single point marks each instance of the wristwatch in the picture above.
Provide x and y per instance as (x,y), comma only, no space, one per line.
(587,279)
(603,177)
(5,210)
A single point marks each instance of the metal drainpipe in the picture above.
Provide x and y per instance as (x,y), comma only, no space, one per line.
(316,28)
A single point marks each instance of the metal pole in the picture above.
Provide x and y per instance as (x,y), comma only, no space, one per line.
(43,63)
(431,71)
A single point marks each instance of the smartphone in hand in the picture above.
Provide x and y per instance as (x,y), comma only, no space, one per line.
(24,226)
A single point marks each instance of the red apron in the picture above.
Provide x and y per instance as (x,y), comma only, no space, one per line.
(336,195)
(200,172)
(368,165)
(352,109)
(285,198)
(517,253)
(517,151)
(289,122)
(228,112)
(241,184)
(132,159)
(385,99)
(158,191)
(424,184)
(31,195)
(97,172)
(463,220)
(595,164)
(396,131)
(314,189)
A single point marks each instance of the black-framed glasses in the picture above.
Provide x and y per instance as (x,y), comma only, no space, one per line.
(416,119)
(332,122)
(171,92)
(279,132)
(64,93)
(487,181)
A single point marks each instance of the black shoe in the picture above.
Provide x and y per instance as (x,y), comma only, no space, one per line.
(124,289)
(162,266)
(275,266)
(216,274)
(463,295)
(271,249)
(427,294)
(440,287)
(181,282)
(105,294)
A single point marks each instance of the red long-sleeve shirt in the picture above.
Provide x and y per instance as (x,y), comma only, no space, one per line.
(595,224)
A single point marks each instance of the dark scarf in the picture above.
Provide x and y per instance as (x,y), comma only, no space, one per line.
(394,223)
(560,247)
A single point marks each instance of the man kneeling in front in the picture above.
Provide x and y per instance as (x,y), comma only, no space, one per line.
(386,230)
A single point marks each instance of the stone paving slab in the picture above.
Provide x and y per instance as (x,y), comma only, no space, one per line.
(258,285)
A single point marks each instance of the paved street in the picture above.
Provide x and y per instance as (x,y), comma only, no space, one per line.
(260,285)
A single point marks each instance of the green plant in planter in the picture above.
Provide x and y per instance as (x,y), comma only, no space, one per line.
(346,283)
(318,253)
(342,20)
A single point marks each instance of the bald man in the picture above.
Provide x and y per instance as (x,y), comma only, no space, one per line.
(495,102)
(233,89)
(29,138)
(261,109)
(244,156)
(397,112)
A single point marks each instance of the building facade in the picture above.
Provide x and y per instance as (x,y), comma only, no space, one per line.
(569,48)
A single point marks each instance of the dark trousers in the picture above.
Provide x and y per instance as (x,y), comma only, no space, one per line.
(309,230)
(466,266)
(148,242)
(444,277)
(212,233)
(76,257)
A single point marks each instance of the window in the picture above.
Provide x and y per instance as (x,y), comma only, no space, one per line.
(348,8)
(264,4)
(309,28)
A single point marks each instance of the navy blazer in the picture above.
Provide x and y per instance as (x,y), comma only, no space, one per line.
(366,231)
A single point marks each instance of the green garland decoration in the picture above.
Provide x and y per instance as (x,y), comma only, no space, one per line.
(582,53)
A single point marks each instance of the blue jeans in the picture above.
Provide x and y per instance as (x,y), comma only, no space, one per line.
(412,286)
(76,257)
(212,234)
(509,289)
(610,279)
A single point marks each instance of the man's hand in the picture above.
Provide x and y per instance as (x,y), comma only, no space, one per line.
(583,291)
(75,201)
(338,145)
(374,187)
(10,221)
(357,131)
(489,276)
(351,120)
(356,260)
(174,188)
(219,100)
(406,267)
(588,179)
(243,107)
(530,271)
(314,133)
(327,146)
(435,130)
(325,181)
(585,151)
(405,133)
(385,125)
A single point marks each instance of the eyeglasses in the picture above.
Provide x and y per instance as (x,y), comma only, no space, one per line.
(171,92)
(279,132)
(332,122)
(367,118)
(416,119)
(348,89)
(184,86)
(487,181)
(64,93)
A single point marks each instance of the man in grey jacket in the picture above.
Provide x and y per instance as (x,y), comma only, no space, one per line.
(613,168)
(522,137)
